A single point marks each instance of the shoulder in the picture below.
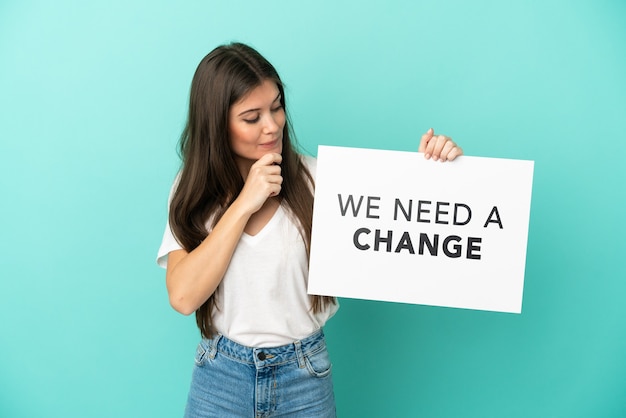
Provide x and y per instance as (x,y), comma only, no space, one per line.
(174,186)
(310,163)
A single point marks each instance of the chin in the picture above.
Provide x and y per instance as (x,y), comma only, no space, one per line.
(278,149)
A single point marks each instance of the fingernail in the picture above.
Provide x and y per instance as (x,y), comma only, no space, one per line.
(427,156)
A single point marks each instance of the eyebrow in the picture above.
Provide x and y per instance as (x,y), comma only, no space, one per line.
(257,109)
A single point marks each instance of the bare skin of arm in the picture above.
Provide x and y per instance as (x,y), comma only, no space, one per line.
(191,278)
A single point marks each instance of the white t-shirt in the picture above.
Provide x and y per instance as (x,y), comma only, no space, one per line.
(262,300)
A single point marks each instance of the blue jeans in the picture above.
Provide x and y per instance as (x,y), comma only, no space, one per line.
(232,380)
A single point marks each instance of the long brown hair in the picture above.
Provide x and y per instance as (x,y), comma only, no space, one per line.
(209,178)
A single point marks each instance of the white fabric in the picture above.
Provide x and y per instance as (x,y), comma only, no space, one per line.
(262,300)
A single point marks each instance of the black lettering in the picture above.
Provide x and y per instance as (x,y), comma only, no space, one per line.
(457,247)
(355,239)
(405,244)
(438,212)
(349,202)
(420,210)
(471,247)
(378,239)
(370,206)
(432,246)
(456,211)
(407,215)
(494,212)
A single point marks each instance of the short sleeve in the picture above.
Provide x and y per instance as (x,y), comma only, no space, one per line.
(169,242)
(311,164)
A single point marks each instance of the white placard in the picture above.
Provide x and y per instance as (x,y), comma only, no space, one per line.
(393,226)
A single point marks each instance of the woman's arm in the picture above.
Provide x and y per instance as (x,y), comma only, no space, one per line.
(192,277)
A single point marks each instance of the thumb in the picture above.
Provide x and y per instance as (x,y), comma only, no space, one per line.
(425,138)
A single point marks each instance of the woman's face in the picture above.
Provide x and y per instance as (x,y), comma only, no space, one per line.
(255,125)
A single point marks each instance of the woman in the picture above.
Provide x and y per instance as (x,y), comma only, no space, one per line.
(237,242)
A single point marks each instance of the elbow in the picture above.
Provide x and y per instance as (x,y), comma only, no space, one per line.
(179,299)
(181,305)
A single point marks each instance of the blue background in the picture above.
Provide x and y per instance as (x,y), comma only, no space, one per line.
(92,101)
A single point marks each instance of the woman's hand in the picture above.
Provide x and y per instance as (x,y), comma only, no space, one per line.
(264,180)
(438,147)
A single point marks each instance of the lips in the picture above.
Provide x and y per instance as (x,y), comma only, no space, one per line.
(271,144)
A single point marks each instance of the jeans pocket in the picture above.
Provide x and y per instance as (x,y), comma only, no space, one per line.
(201,353)
(318,363)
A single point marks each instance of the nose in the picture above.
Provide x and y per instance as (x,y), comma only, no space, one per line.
(271,125)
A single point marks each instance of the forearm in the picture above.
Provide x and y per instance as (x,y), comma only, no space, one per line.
(194,276)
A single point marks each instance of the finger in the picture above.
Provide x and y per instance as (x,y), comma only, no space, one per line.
(454,152)
(275,179)
(269,159)
(424,141)
(444,155)
(431,147)
(275,190)
(272,170)
(440,141)
(275,182)
(267,185)
(276,158)
(260,170)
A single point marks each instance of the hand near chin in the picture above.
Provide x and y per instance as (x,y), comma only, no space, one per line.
(438,147)
(263,181)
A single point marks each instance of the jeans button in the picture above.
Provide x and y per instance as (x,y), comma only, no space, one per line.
(261,356)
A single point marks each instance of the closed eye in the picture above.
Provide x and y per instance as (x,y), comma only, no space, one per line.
(251,121)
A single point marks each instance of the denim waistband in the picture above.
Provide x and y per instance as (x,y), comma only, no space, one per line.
(266,356)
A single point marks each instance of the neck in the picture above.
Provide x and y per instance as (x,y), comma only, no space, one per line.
(244,166)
